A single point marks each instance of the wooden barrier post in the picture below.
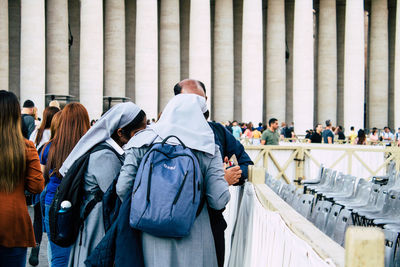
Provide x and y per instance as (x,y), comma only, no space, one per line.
(365,247)
(300,157)
(257,175)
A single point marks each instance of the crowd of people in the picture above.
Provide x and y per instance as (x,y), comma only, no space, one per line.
(272,134)
(39,158)
(112,157)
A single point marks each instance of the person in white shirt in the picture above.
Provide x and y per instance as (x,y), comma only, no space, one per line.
(387,136)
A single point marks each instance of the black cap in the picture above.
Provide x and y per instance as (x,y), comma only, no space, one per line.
(28,104)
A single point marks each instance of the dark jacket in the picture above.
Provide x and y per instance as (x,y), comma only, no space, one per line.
(121,246)
(228,146)
(27,125)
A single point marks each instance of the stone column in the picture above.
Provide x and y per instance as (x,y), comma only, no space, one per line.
(327,62)
(392,39)
(184,10)
(354,68)
(14,46)
(397,69)
(33,52)
(303,66)
(91,57)
(237,46)
(146,60)
(341,15)
(170,59)
(130,50)
(114,58)
(379,65)
(57,58)
(252,62)
(4,45)
(289,19)
(223,61)
(74,14)
(200,45)
(276,64)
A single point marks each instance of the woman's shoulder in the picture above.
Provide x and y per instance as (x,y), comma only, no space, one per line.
(30,149)
(29,144)
(107,151)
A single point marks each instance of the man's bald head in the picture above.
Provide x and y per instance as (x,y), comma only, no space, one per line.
(189,86)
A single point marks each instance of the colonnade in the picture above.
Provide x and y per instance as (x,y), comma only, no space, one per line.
(303,61)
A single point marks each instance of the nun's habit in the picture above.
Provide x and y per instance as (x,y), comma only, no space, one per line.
(182,117)
(103,167)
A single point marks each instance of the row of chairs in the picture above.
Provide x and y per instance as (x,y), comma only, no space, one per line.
(332,220)
(374,203)
(333,201)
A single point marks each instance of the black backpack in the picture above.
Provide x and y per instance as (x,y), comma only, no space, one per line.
(65,226)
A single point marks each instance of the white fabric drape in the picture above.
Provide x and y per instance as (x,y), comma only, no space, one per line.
(261,237)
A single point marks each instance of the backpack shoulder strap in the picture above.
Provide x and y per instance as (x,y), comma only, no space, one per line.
(98,195)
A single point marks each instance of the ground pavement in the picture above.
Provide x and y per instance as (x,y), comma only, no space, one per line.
(43,247)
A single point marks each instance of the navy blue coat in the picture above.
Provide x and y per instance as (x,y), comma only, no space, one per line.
(229,146)
(121,246)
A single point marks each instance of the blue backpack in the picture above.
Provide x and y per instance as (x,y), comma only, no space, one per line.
(167,194)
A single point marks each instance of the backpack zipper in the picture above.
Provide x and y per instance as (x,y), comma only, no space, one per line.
(149,182)
(180,189)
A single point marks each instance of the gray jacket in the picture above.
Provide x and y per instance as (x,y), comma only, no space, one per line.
(198,248)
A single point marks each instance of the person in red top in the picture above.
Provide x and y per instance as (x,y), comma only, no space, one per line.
(19,171)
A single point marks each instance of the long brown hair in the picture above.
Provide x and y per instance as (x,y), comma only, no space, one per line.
(12,143)
(55,123)
(74,123)
(48,114)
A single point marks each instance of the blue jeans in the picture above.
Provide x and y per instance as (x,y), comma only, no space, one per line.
(59,256)
(12,257)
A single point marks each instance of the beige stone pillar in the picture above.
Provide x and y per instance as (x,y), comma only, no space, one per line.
(353,96)
(397,69)
(33,52)
(57,58)
(276,65)
(74,14)
(200,45)
(170,59)
(303,66)
(289,19)
(14,35)
(223,104)
(184,10)
(91,57)
(237,27)
(146,60)
(379,65)
(252,62)
(392,39)
(327,62)
(340,15)
(4,72)
(114,57)
(130,50)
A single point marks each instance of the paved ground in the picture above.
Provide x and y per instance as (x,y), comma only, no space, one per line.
(43,247)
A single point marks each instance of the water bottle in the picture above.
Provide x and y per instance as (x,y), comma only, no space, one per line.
(64,221)
(65,206)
